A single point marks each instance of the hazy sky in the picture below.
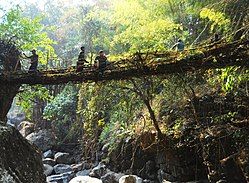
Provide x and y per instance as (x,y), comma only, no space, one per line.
(7,4)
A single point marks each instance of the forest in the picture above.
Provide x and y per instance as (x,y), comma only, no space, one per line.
(184,126)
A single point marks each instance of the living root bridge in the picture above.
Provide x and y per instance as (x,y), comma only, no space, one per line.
(210,57)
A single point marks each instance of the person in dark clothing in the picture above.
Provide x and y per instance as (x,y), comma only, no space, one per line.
(101,62)
(179,45)
(33,61)
(81,60)
(215,38)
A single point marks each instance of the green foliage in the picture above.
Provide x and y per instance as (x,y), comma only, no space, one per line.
(63,105)
(29,96)
(61,111)
(217,18)
(27,33)
(230,78)
(224,118)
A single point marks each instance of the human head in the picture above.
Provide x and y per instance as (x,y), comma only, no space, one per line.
(101,53)
(33,51)
(82,48)
(179,40)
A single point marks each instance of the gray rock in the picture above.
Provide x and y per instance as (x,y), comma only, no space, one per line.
(62,158)
(105,148)
(130,179)
(48,170)
(26,128)
(98,171)
(81,166)
(60,178)
(77,167)
(149,181)
(85,179)
(111,177)
(44,139)
(48,154)
(15,118)
(62,168)
(165,176)
(49,161)
(83,173)
(165,181)
(20,161)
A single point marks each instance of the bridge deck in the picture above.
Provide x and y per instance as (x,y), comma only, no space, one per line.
(209,57)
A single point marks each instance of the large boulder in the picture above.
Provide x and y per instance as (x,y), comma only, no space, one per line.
(85,179)
(43,139)
(26,128)
(62,158)
(62,168)
(19,161)
(130,179)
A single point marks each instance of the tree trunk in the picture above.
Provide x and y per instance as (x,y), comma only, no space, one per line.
(7,94)
(153,118)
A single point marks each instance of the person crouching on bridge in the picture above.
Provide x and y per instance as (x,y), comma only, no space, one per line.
(101,62)
(179,45)
(33,61)
(81,60)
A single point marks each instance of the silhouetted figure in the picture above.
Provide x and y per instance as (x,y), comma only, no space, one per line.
(33,61)
(216,38)
(101,62)
(81,60)
(179,45)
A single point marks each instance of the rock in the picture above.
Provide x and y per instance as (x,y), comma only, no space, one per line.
(62,168)
(49,161)
(85,179)
(165,176)
(48,170)
(83,173)
(111,177)
(62,158)
(60,178)
(77,167)
(15,118)
(105,148)
(130,179)
(6,177)
(221,181)
(165,181)
(82,166)
(44,139)
(48,154)
(20,161)
(149,181)
(26,128)
(98,171)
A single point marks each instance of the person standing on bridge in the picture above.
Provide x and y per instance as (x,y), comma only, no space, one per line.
(33,61)
(179,45)
(101,62)
(81,60)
